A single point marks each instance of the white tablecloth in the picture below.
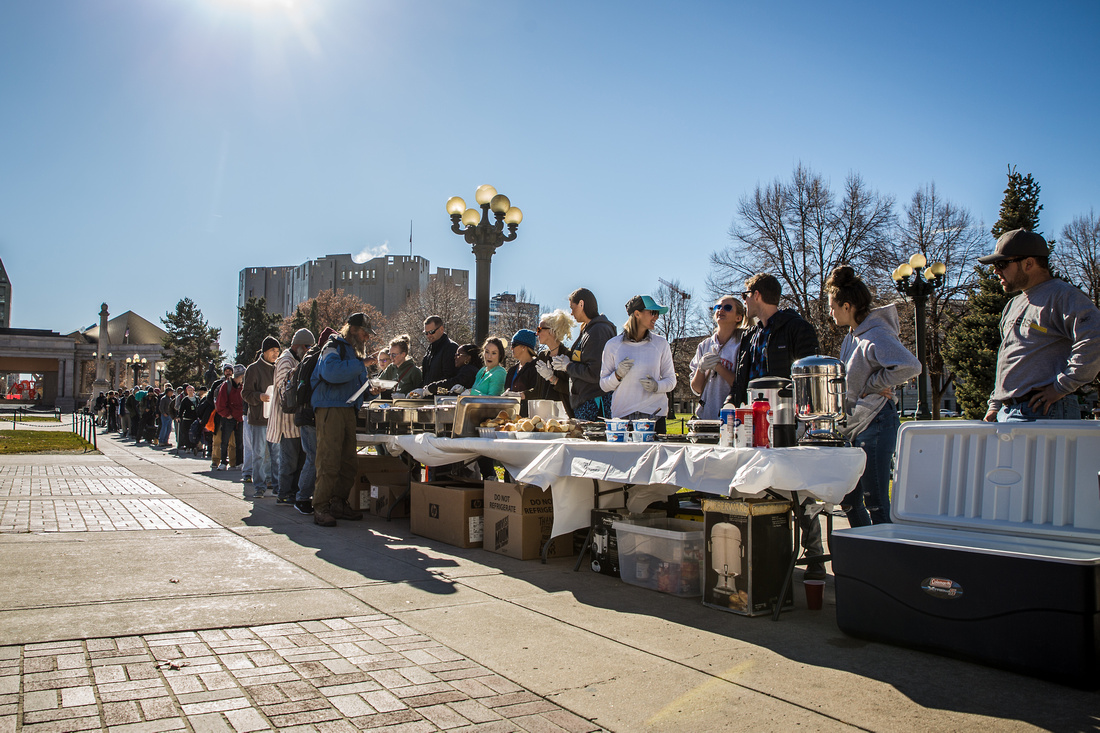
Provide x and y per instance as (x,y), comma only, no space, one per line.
(568,468)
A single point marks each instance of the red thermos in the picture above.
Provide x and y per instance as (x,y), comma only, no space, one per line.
(760,412)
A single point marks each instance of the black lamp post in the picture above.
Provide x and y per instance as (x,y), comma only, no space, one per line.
(485,238)
(917,280)
(137,363)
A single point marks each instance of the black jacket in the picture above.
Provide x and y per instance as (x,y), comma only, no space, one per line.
(439,361)
(465,376)
(586,360)
(791,338)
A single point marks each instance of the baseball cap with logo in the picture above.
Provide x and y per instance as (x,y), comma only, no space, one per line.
(1017,243)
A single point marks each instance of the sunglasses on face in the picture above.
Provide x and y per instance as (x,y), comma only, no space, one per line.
(432,332)
(540,329)
(746,294)
(727,307)
(1002,264)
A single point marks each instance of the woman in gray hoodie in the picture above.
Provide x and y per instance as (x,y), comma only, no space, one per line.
(875,362)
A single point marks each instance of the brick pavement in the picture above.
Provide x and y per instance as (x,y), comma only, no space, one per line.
(43,499)
(343,674)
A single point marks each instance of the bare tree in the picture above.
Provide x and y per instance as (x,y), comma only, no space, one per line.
(1078,255)
(449,302)
(943,232)
(678,325)
(798,232)
(331,309)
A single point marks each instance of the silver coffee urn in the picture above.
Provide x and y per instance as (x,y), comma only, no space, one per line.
(819,388)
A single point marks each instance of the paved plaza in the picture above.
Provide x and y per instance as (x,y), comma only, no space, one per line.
(142,592)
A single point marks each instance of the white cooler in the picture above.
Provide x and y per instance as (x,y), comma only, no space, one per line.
(995,551)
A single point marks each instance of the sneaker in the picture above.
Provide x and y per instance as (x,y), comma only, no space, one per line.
(323,518)
(258,495)
(213,467)
(304,507)
(815,571)
(246,479)
(284,502)
(340,509)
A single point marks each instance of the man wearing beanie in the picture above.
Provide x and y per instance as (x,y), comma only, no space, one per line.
(283,435)
(258,465)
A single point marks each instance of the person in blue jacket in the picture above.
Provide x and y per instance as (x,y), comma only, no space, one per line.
(339,374)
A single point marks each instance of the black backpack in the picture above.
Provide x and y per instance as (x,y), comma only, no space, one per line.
(296,393)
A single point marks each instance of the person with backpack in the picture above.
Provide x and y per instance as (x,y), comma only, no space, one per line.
(230,407)
(283,435)
(339,374)
(299,402)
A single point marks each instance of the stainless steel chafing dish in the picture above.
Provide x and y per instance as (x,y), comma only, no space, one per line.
(472,410)
(703,431)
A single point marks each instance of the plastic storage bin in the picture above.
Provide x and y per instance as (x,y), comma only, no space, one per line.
(662,554)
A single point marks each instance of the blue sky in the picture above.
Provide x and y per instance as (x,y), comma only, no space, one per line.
(151,149)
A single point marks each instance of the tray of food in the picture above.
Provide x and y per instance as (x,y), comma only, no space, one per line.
(533,428)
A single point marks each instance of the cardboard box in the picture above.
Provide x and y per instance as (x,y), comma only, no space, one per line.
(379,480)
(748,551)
(518,522)
(448,512)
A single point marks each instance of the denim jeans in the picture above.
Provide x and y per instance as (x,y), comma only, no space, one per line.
(869,502)
(165,430)
(246,449)
(255,443)
(289,450)
(1067,408)
(309,469)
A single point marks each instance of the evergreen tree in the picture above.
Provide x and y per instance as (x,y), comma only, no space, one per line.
(255,325)
(191,340)
(314,318)
(973,342)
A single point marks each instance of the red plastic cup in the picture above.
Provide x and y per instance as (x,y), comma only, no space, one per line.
(815,594)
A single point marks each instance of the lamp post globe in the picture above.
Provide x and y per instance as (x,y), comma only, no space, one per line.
(485,237)
(917,279)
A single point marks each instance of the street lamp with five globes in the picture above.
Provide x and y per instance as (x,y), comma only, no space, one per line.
(485,238)
(917,280)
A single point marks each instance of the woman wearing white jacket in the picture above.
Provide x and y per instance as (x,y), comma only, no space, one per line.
(875,363)
(637,365)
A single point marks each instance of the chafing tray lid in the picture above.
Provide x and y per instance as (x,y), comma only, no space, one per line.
(473,409)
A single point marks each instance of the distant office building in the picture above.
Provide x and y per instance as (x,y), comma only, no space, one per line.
(5,298)
(383,282)
(507,315)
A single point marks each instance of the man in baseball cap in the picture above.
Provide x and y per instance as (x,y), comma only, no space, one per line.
(1050,335)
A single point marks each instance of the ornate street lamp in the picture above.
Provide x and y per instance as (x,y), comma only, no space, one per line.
(485,238)
(917,280)
(137,363)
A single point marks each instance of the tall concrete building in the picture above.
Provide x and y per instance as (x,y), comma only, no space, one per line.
(384,282)
(5,298)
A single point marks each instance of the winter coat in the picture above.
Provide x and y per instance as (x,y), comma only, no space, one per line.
(229,404)
(586,357)
(790,338)
(281,425)
(439,362)
(259,375)
(339,374)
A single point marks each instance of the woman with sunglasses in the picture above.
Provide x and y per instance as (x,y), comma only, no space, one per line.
(637,365)
(714,365)
(875,362)
(554,328)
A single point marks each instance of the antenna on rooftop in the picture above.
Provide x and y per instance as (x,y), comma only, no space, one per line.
(410,237)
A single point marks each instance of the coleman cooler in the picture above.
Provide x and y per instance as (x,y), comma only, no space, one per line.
(994,555)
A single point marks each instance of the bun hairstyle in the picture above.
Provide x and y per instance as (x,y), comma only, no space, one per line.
(845,287)
(402,342)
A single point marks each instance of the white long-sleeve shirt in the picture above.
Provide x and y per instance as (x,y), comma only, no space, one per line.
(652,358)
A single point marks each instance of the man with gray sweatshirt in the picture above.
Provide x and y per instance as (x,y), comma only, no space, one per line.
(1050,336)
